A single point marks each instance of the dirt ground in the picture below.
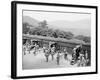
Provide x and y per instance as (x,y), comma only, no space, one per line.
(38,61)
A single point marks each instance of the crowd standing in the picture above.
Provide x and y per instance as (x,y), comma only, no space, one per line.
(79,56)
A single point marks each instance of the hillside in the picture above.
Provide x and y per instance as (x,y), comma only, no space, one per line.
(82,27)
(30,21)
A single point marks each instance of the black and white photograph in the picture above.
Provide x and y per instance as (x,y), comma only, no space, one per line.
(53,39)
(56,39)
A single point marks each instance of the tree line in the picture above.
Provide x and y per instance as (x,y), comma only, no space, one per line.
(43,30)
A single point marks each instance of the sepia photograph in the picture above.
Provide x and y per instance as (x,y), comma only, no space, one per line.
(56,39)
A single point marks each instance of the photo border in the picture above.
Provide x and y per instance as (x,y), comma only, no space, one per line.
(14,38)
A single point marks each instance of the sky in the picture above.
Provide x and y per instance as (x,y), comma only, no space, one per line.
(54,16)
(79,23)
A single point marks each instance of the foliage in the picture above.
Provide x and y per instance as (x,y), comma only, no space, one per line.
(43,24)
(43,30)
(25,28)
(84,38)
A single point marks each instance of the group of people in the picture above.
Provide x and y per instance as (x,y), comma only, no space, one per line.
(55,53)
(79,56)
(27,48)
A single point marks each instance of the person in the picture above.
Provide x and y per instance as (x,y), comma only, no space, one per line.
(86,57)
(36,46)
(65,54)
(86,54)
(44,48)
(52,52)
(24,49)
(27,47)
(76,53)
(58,57)
(47,53)
(82,61)
(73,56)
(73,59)
(78,50)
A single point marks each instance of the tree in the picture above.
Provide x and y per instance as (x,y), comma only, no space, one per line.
(68,35)
(35,31)
(57,33)
(54,34)
(84,38)
(43,32)
(61,34)
(64,34)
(25,28)
(43,24)
(50,32)
(87,39)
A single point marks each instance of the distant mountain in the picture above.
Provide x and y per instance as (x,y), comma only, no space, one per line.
(82,27)
(30,21)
